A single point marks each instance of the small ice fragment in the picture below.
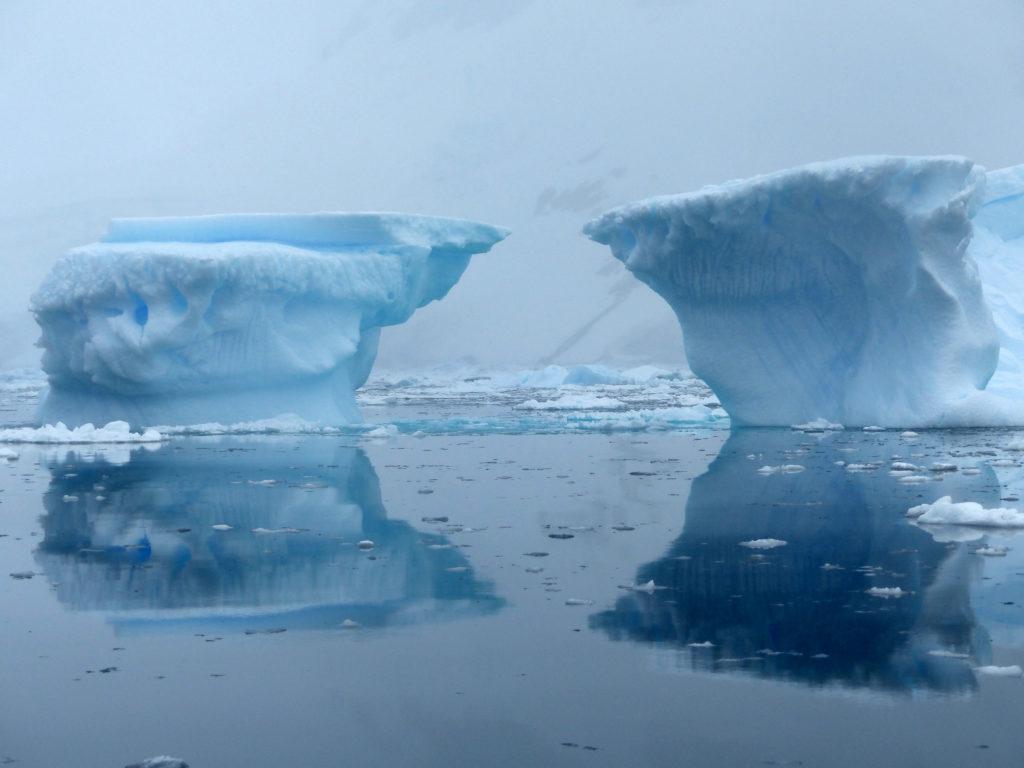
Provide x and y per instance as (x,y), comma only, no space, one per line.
(909,433)
(578,601)
(903,466)
(831,567)
(647,587)
(886,592)
(22,575)
(221,527)
(874,428)
(992,670)
(992,551)
(457,569)
(161,761)
(263,482)
(766,470)
(763,543)
(944,654)
(941,466)
(365,544)
(914,479)
(384,430)
(970,471)
(67,498)
(8,455)
(268,531)
(791,468)
(818,425)
(705,644)
(350,624)
(947,512)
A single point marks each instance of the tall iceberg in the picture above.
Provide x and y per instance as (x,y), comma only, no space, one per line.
(237,317)
(843,290)
(998,249)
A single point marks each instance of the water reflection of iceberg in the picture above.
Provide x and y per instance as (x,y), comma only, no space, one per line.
(138,541)
(784,613)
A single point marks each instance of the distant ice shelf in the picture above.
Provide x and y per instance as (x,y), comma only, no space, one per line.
(237,317)
(848,291)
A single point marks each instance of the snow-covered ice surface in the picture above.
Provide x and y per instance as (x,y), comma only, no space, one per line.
(264,596)
(237,317)
(847,291)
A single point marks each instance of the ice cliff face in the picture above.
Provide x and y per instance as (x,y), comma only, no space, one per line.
(842,290)
(181,320)
(998,249)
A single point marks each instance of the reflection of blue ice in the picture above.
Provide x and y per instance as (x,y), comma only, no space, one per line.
(782,613)
(138,541)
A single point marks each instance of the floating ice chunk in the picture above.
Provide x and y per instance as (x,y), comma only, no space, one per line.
(873,428)
(947,512)
(991,670)
(274,531)
(944,654)
(767,470)
(791,469)
(647,586)
(763,543)
(7,454)
(350,624)
(162,761)
(909,434)
(837,290)
(59,433)
(705,644)
(187,320)
(818,425)
(222,527)
(992,551)
(914,479)
(573,402)
(578,601)
(886,592)
(366,544)
(941,466)
(384,430)
(902,466)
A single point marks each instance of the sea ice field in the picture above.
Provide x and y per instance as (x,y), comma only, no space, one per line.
(567,566)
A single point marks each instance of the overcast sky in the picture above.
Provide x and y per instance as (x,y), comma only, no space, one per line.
(533,115)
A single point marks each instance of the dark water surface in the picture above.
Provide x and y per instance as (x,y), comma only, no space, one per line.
(496,619)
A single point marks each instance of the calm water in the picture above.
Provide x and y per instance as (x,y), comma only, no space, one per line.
(496,620)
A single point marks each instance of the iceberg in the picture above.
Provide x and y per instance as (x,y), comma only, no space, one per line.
(998,250)
(237,317)
(846,291)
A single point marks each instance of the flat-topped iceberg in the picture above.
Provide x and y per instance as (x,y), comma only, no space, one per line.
(237,317)
(843,290)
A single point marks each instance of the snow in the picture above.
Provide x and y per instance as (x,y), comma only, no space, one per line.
(839,290)
(59,433)
(947,512)
(237,318)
